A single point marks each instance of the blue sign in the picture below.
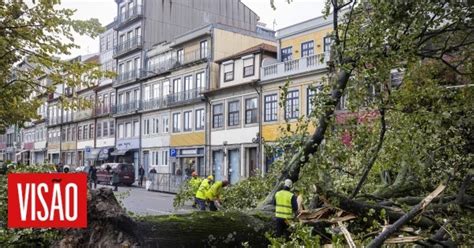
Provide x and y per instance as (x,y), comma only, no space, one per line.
(173,152)
(88,149)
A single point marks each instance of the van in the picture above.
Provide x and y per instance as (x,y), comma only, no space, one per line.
(126,173)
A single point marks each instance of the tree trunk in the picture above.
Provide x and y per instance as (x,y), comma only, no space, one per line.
(110,226)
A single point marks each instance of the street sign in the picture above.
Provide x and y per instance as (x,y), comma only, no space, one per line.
(88,150)
(173,152)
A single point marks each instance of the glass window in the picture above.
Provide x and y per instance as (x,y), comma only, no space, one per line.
(176,122)
(234,113)
(165,124)
(218,116)
(146,126)
(146,93)
(310,99)
(327,43)
(121,131)
(229,72)
(251,110)
(249,67)
(99,129)
(105,127)
(128,130)
(85,132)
(271,107)
(187,121)
(156,125)
(199,119)
(188,83)
(307,48)
(91,131)
(292,105)
(112,128)
(136,128)
(203,49)
(200,81)
(156,91)
(177,85)
(180,56)
(164,157)
(286,54)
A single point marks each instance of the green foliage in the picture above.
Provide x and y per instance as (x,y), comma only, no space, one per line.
(22,237)
(301,236)
(185,193)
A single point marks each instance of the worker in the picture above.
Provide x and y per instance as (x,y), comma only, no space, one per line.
(194,184)
(285,208)
(201,192)
(214,193)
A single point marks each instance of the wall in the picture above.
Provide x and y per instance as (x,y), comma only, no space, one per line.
(316,35)
(239,71)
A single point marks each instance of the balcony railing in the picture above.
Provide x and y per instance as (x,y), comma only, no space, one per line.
(175,61)
(184,96)
(289,68)
(128,46)
(154,103)
(128,76)
(103,110)
(126,108)
(129,15)
(54,120)
(82,115)
(160,68)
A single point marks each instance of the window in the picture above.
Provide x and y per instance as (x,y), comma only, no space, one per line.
(292,105)
(73,136)
(199,119)
(327,43)
(165,124)
(91,131)
(176,122)
(85,132)
(188,83)
(203,49)
(310,99)
(229,72)
(146,93)
(271,107)
(146,127)
(343,102)
(120,131)
(112,99)
(177,85)
(249,67)
(286,54)
(156,125)
(234,113)
(99,129)
(136,128)
(187,121)
(200,83)
(307,48)
(156,91)
(128,130)
(218,116)
(164,157)
(251,110)
(180,56)
(105,126)
(112,128)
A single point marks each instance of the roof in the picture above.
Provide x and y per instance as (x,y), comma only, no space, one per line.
(262,47)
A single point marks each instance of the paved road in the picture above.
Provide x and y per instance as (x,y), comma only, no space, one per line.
(143,202)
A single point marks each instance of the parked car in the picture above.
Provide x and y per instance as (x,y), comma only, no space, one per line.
(126,173)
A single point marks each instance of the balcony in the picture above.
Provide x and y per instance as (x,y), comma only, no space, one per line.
(127,77)
(100,111)
(188,58)
(83,115)
(185,96)
(128,46)
(126,108)
(161,68)
(54,120)
(292,67)
(129,16)
(154,103)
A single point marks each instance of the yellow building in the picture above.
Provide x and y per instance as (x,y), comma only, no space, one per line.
(303,50)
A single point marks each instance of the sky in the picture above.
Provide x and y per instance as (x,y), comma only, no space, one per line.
(105,10)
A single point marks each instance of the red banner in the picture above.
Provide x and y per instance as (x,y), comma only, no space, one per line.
(47,200)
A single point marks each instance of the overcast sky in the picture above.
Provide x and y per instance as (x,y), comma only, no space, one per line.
(285,15)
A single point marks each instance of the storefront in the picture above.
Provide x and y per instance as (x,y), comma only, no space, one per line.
(185,160)
(127,151)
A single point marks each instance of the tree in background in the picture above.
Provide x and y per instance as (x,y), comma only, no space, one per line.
(36,34)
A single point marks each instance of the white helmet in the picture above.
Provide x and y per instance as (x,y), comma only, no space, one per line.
(288,183)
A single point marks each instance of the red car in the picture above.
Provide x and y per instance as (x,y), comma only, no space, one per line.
(126,173)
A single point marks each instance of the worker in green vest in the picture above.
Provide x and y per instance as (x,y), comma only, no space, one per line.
(285,208)
(214,193)
(202,190)
(194,184)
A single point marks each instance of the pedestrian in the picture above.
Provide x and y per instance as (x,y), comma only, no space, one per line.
(194,184)
(92,176)
(202,191)
(141,174)
(178,172)
(153,171)
(286,206)
(66,169)
(115,180)
(214,194)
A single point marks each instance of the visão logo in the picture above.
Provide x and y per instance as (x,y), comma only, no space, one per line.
(42,200)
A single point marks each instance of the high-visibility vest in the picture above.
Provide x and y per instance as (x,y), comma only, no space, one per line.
(194,183)
(203,188)
(283,207)
(214,191)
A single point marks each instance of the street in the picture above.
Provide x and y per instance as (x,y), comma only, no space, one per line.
(142,202)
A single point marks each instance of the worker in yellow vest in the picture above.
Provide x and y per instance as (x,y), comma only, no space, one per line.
(194,184)
(214,193)
(201,197)
(285,208)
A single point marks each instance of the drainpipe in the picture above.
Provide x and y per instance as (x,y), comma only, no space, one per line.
(208,145)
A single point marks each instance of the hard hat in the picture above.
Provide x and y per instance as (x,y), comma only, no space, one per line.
(210,177)
(194,174)
(288,183)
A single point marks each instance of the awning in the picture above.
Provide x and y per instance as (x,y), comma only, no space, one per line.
(119,152)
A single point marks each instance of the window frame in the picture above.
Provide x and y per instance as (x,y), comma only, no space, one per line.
(253,66)
(199,124)
(235,114)
(303,50)
(327,44)
(295,111)
(187,122)
(176,122)
(225,73)
(273,109)
(219,116)
(204,50)
(250,110)
(286,56)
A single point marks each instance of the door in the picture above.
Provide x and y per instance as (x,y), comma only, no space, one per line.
(234,166)
(252,161)
(146,155)
(135,163)
(217,165)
